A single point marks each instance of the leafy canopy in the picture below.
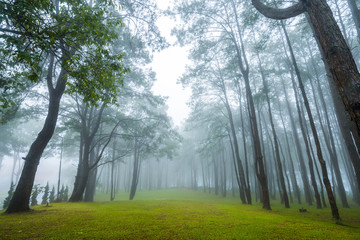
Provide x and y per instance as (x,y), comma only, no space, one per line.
(77,34)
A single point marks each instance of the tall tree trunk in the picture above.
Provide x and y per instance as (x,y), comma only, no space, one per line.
(90,123)
(356,16)
(292,168)
(20,200)
(223,175)
(91,182)
(277,151)
(341,22)
(340,114)
(81,175)
(136,171)
(303,170)
(240,186)
(216,176)
(331,197)
(247,186)
(112,193)
(244,69)
(234,140)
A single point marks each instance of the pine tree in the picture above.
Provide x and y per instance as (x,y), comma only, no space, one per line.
(52,195)
(61,194)
(10,194)
(65,196)
(34,195)
(46,194)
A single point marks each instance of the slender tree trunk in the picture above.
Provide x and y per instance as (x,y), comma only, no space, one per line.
(292,168)
(244,69)
(331,197)
(112,193)
(329,142)
(247,185)
(342,120)
(241,187)
(356,16)
(203,174)
(235,142)
(136,171)
(277,151)
(303,170)
(216,176)
(341,22)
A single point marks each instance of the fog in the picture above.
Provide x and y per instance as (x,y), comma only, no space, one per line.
(233,104)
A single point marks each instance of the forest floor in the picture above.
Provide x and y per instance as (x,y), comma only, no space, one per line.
(177,214)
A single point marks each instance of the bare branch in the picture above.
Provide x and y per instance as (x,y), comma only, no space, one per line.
(277,13)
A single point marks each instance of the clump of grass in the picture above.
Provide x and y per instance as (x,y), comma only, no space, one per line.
(159,215)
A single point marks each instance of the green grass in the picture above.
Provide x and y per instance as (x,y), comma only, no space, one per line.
(176,214)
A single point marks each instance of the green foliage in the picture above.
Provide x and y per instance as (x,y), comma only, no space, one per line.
(35,192)
(176,214)
(10,194)
(52,195)
(45,197)
(77,34)
(63,194)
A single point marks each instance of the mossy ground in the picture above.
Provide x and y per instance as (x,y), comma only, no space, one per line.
(177,214)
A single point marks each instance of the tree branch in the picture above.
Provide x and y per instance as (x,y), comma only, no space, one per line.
(276,13)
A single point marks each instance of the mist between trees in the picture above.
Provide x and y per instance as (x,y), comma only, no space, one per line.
(274,104)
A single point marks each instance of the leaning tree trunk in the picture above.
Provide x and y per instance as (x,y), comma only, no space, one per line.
(242,126)
(239,166)
(20,200)
(338,57)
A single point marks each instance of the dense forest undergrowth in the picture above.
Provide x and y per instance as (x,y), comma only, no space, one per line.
(176,214)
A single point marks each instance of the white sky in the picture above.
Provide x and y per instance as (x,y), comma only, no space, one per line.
(169,65)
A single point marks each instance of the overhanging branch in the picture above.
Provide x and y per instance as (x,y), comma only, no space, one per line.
(277,13)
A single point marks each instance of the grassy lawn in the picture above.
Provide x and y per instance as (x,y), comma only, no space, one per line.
(176,214)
